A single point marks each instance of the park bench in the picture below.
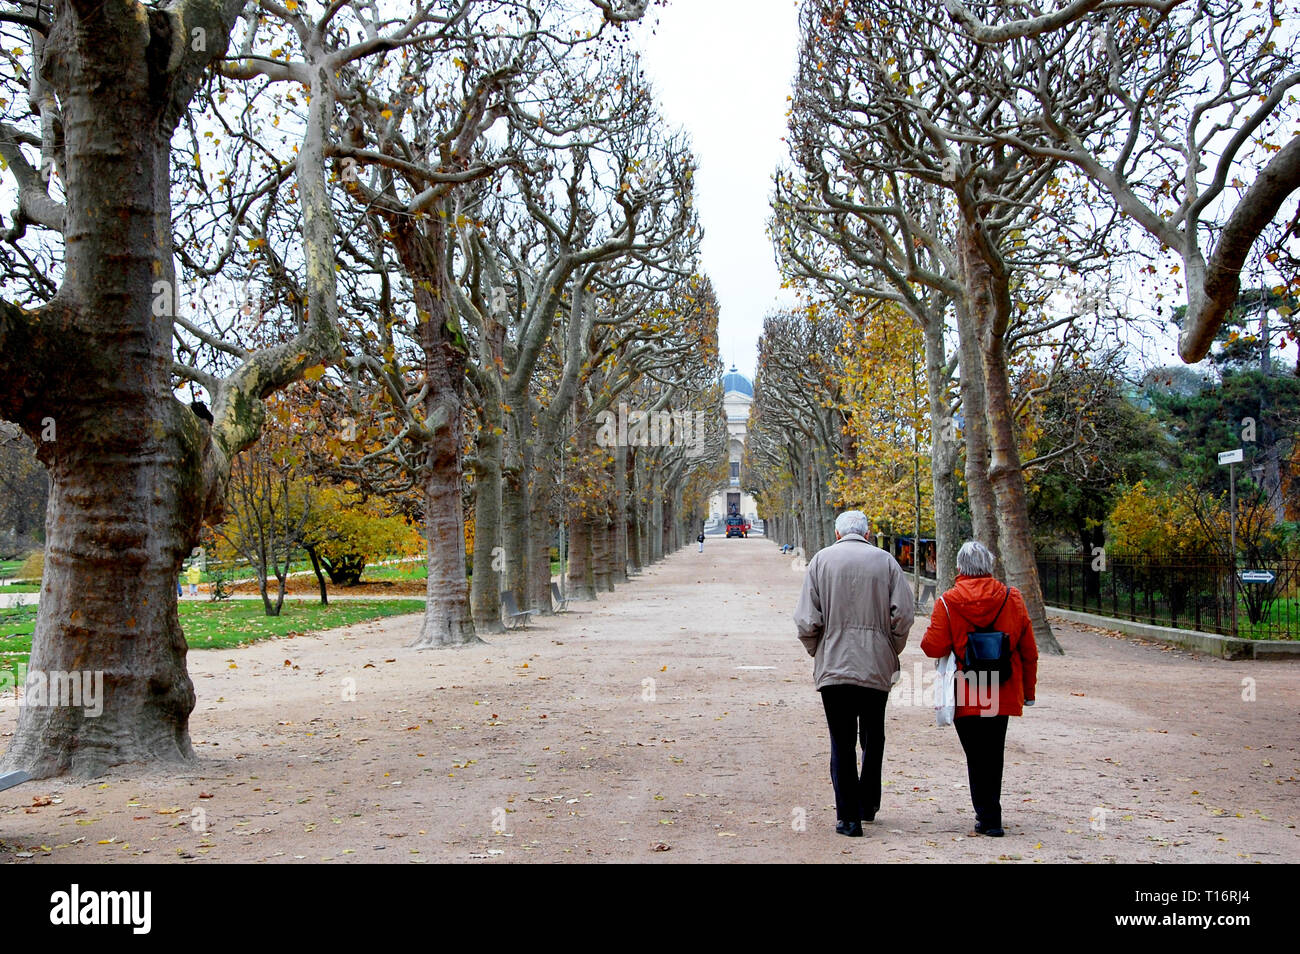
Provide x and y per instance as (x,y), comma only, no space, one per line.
(561,601)
(10,779)
(514,616)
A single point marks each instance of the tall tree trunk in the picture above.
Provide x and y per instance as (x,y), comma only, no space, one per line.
(540,457)
(654,530)
(320,576)
(447,617)
(989,299)
(582,579)
(619,556)
(422,249)
(514,511)
(943,459)
(979,492)
(635,518)
(489,562)
(540,536)
(127,462)
(133,473)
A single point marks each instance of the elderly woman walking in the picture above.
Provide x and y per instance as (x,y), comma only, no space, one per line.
(979,603)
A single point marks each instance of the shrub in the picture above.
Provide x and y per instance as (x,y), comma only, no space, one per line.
(33,567)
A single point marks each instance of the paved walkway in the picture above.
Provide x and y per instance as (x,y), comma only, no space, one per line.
(675,720)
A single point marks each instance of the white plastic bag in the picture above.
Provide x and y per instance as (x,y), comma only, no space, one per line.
(945,689)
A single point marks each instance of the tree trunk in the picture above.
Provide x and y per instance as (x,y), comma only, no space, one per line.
(979,492)
(129,466)
(489,562)
(448,620)
(987,301)
(517,528)
(619,556)
(320,577)
(540,534)
(943,460)
(635,519)
(654,529)
(582,577)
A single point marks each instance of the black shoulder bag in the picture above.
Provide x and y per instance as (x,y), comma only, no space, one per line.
(988,650)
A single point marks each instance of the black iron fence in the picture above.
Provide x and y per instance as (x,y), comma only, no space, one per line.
(1186,592)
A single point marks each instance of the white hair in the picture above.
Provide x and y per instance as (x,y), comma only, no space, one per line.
(974,559)
(852,521)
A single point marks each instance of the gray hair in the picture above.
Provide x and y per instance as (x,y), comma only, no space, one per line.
(974,559)
(852,521)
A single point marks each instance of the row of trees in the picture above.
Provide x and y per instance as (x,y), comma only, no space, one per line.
(990,172)
(464,227)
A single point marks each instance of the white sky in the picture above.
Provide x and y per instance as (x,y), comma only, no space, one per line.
(722,69)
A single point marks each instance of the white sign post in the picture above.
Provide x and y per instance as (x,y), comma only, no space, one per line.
(1232,458)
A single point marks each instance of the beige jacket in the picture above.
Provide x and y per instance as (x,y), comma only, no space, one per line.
(854,614)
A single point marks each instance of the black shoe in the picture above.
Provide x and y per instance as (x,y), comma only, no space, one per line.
(982,829)
(868,817)
(851,828)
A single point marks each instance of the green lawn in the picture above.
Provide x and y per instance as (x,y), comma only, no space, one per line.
(227,624)
(415,570)
(20,587)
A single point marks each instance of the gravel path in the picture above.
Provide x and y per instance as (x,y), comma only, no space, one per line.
(552,744)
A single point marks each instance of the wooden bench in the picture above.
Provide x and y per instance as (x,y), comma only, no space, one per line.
(10,779)
(514,616)
(561,601)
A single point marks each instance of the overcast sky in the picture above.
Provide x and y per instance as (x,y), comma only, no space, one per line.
(722,69)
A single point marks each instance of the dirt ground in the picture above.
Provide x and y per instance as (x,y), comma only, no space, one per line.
(550,744)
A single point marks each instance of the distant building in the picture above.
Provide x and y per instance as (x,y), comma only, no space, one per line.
(737,397)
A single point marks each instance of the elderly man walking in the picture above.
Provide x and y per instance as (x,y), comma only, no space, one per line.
(853,616)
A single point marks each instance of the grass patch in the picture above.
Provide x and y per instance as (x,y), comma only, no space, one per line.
(413,570)
(19,588)
(226,625)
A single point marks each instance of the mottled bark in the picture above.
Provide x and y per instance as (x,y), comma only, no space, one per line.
(489,561)
(944,450)
(621,520)
(132,471)
(448,620)
(990,305)
(654,527)
(979,492)
(517,529)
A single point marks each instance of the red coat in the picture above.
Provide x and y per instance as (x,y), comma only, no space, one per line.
(974,600)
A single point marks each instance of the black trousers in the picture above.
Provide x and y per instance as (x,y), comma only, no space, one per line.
(983,738)
(855,713)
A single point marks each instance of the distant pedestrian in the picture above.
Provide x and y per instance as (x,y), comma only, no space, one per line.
(854,615)
(192,574)
(978,602)
(701,539)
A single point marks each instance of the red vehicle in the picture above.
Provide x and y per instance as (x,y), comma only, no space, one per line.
(737,526)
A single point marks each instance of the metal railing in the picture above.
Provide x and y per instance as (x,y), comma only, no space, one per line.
(1182,591)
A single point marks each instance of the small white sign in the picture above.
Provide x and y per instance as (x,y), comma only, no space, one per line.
(1230,457)
(1258,576)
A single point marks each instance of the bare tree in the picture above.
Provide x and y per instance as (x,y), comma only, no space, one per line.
(1187,132)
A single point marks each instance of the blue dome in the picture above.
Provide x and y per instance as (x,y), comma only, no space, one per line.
(734,381)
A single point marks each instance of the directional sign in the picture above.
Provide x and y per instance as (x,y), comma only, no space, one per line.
(1230,457)
(1258,576)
